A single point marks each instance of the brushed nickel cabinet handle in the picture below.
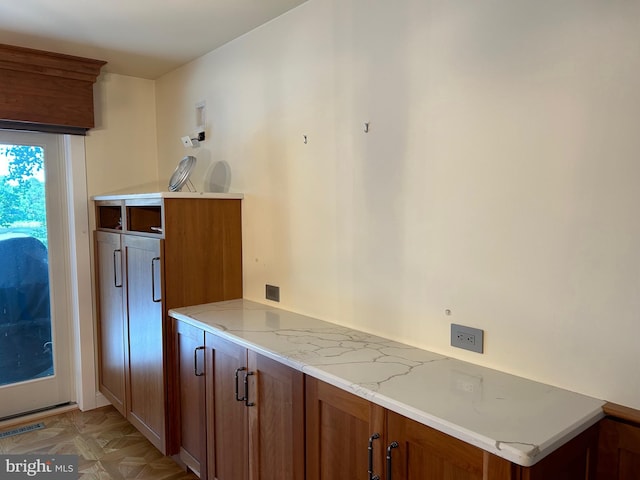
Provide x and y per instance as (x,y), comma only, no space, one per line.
(195,362)
(153,280)
(115,268)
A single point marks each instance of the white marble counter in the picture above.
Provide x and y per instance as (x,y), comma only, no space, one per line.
(515,418)
(158,195)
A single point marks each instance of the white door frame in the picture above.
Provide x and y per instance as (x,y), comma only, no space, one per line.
(81,308)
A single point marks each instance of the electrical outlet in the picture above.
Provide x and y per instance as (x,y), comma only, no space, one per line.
(467,338)
(272,293)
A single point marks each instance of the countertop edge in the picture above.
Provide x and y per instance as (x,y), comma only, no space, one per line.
(138,196)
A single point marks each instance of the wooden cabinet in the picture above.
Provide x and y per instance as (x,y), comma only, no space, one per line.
(619,444)
(242,414)
(227,411)
(349,437)
(418,451)
(276,420)
(190,371)
(342,444)
(341,431)
(111,327)
(575,460)
(154,253)
(144,374)
(619,453)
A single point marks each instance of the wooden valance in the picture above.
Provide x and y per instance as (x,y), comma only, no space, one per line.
(46,91)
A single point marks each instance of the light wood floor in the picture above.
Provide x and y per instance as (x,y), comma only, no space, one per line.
(107,445)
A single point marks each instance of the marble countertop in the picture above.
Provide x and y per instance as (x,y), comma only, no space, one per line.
(512,417)
(152,195)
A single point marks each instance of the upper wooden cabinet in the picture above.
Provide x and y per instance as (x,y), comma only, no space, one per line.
(201,237)
(154,253)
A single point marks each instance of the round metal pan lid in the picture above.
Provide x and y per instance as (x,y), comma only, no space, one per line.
(181,174)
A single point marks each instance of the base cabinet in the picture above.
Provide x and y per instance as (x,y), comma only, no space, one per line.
(619,450)
(345,434)
(349,437)
(575,460)
(276,420)
(416,451)
(190,382)
(227,412)
(241,414)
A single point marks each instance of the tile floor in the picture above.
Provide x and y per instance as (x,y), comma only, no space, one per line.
(108,446)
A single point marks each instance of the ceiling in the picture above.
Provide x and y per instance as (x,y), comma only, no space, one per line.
(141,38)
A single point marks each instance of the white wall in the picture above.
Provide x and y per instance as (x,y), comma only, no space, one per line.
(499,178)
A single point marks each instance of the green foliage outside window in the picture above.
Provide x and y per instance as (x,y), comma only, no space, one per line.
(22,193)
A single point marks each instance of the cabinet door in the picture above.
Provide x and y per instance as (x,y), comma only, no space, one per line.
(227,420)
(190,368)
(427,454)
(575,460)
(339,428)
(111,324)
(145,377)
(276,420)
(619,450)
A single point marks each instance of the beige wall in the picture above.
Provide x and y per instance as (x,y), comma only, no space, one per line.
(121,152)
(499,178)
(120,156)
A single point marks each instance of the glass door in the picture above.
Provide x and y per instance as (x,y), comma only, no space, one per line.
(34,325)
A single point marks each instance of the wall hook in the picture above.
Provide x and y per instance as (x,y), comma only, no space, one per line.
(304,139)
(366,127)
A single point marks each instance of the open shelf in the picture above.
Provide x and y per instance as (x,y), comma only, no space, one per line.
(145,219)
(109,217)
